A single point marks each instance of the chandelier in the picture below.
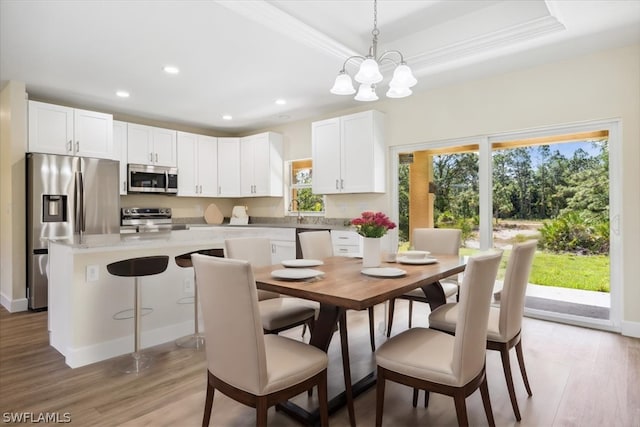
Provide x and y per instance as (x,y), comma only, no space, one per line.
(369,72)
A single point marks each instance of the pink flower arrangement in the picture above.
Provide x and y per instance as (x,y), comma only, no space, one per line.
(373,224)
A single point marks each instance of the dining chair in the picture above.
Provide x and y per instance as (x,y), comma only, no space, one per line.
(440,241)
(277,313)
(505,322)
(317,245)
(243,363)
(436,361)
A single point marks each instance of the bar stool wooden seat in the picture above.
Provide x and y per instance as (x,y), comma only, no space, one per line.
(196,340)
(137,268)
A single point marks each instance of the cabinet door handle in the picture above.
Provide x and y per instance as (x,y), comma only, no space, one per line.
(273,249)
(196,189)
(151,157)
(156,157)
(77,146)
(201,189)
(219,190)
(337,187)
(70,146)
(342,184)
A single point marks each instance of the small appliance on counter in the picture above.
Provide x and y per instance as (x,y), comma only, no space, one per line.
(239,216)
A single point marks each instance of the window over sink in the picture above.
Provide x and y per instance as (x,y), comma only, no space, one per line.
(301,200)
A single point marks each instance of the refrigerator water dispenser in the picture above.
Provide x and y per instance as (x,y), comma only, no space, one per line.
(54,208)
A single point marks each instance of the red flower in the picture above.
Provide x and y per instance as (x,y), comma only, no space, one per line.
(373,224)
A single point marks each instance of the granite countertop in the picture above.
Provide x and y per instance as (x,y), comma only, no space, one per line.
(310,223)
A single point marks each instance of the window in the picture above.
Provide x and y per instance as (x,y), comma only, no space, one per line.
(301,198)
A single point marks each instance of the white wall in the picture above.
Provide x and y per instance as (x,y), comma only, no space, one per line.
(13,141)
(602,85)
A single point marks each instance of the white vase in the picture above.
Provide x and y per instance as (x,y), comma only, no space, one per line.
(371,253)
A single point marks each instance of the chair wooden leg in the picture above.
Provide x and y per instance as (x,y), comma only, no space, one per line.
(486,401)
(262,410)
(392,306)
(522,368)
(410,312)
(380,396)
(426,398)
(415,397)
(323,400)
(208,403)
(506,366)
(372,334)
(461,408)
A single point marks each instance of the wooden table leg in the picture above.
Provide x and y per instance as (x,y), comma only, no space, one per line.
(346,366)
(435,295)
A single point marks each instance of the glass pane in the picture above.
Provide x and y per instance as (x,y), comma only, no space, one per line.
(301,172)
(305,201)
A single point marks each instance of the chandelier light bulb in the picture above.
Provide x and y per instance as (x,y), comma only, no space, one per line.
(398,92)
(343,85)
(369,72)
(366,92)
(403,77)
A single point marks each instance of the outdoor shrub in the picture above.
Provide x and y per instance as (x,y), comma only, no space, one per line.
(576,232)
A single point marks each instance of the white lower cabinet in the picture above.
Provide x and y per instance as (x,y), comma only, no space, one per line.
(346,243)
(282,250)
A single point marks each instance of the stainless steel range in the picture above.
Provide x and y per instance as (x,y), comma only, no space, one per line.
(148,219)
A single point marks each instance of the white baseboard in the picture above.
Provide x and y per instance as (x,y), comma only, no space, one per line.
(13,306)
(630,329)
(81,356)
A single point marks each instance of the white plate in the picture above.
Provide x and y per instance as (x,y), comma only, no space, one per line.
(384,272)
(302,262)
(422,261)
(414,254)
(296,273)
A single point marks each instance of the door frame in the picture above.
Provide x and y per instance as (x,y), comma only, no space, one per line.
(485,143)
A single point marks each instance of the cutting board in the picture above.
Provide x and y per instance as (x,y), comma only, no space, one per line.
(212,215)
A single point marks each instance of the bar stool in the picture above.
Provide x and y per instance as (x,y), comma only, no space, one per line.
(196,340)
(137,268)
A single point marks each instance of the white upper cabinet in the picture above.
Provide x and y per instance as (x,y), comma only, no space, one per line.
(349,154)
(262,166)
(197,165)
(55,129)
(120,148)
(228,167)
(148,145)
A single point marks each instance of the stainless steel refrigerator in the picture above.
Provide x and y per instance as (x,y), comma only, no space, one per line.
(66,196)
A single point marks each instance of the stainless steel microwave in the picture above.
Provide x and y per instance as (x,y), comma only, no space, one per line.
(152,179)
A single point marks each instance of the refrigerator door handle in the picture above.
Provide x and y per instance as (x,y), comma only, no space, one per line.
(79,196)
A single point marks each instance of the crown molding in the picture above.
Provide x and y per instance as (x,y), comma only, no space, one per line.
(265,14)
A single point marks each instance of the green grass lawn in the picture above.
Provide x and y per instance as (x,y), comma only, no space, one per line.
(588,272)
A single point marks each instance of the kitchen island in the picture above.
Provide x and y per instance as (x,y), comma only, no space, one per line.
(90,311)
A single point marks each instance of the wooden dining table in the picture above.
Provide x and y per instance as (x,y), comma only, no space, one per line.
(343,286)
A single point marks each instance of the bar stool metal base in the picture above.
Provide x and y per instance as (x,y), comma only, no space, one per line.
(195,341)
(135,363)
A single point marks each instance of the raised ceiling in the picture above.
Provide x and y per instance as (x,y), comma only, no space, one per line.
(238,57)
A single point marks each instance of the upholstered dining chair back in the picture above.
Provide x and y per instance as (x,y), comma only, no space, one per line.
(256,250)
(443,241)
(316,244)
(471,330)
(233,330)
(514,289)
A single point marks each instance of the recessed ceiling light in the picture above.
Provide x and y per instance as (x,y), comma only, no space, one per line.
(281,101)
(122,94)
(227,117)
(170,69)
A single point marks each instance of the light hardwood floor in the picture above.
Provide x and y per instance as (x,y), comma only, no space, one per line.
(579,377)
